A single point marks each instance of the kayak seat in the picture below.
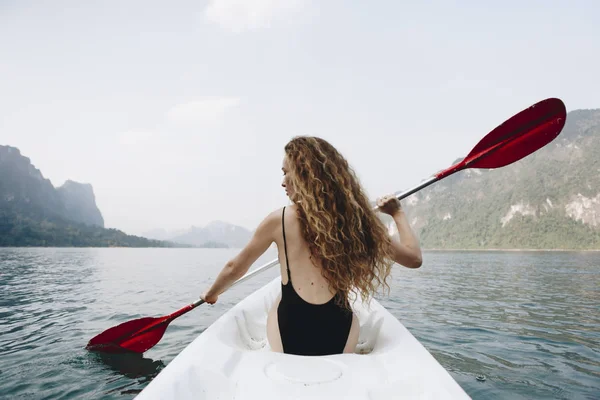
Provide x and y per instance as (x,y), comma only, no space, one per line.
(251,324)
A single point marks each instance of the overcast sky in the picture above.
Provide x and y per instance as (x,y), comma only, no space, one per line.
(177,112)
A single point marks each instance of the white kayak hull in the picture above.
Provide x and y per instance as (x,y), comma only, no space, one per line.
(232,360)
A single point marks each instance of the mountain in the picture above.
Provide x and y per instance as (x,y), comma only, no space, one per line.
(23,188)
(80,202)
(158,234)
(548,200)
(35,213)
(215,234)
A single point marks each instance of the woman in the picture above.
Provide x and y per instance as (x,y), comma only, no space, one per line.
(331,244)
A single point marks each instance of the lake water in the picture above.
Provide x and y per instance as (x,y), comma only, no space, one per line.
(529,322)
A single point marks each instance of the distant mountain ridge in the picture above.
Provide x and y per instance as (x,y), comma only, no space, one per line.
(548,200)
(23,188)
(35,213)
(214,234)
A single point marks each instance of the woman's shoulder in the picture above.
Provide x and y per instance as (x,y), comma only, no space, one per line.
(273,219)
(289,209)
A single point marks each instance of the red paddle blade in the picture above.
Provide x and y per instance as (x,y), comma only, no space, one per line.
(522,134)
(136,336)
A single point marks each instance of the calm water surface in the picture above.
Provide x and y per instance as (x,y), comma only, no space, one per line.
(529,322)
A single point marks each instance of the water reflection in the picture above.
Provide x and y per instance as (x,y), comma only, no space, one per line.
(130,365)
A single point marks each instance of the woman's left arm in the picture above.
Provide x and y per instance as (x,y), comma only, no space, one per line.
(239,265)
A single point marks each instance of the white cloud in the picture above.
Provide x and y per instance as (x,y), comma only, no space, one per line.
(207,110)
(241,15)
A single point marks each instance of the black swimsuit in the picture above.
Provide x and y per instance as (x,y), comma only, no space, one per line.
(310,329)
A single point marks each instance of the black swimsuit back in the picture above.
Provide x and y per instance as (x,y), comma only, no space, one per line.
(310,329)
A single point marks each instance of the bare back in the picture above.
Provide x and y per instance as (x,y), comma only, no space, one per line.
(307,280)
(307,283)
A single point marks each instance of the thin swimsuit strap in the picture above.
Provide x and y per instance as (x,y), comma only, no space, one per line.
(285,247)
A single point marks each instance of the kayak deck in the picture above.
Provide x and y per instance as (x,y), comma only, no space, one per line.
(232,360)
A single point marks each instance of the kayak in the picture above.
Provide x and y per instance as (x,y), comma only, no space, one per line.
(232,360)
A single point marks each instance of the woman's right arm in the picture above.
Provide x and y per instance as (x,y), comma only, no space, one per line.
(241,263)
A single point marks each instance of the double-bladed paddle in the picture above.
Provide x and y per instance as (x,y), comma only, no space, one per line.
(522,134)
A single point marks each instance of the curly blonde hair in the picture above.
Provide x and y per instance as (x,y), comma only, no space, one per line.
(339,224)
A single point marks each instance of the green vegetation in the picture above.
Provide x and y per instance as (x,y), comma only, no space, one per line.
(470,209)
(21,231)
(34,213)
(522,232)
